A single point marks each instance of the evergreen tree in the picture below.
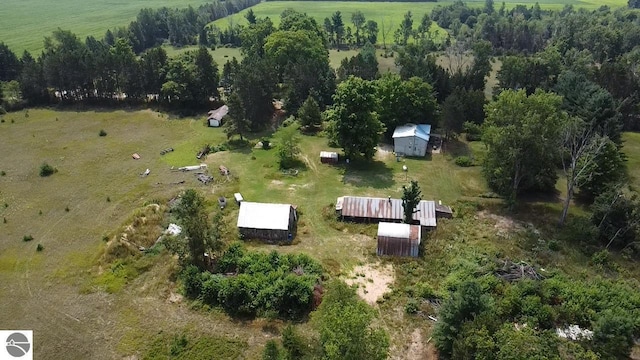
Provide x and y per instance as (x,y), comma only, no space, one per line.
(411,197)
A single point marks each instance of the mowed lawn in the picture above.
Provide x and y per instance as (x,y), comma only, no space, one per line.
(25,23)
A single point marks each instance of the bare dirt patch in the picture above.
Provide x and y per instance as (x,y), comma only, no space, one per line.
(503,224)
(276,183)
(385,150)
(373,281)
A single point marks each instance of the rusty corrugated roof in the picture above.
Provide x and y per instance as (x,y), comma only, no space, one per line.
(385,209)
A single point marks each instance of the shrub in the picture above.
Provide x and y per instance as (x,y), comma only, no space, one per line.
(464,161)
(412,306)
(473,131)
(266,144)
(47,170)
(600,258)
(27,238)
(39,248)
(3,173)
(102,133)
(66,209)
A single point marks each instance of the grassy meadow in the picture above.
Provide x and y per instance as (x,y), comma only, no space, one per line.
(390,14)
(26,22)
(66,292)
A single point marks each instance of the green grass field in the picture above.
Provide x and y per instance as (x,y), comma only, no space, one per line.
(98,187)
(389,13)
(26,22)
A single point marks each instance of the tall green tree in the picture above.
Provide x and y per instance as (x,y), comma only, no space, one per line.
(411,197)
(309,114)
(288,147)
(354,125)
(251,17)
(521,134)
(194,220)
(371,31)
(337,26)
(358,20)
(416,60)
(404,101)
(591,103)
(363,65)
(32,82)
(65,64)
(345,326)
(9,64)
(405,31)
(236,120)
(255,83)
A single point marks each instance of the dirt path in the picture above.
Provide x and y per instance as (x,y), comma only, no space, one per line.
(373,281)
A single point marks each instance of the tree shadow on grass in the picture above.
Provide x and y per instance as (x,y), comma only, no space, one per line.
(362,173)
(455,148)
(239,146)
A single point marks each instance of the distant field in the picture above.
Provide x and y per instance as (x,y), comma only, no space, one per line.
(25,23)
(389,13)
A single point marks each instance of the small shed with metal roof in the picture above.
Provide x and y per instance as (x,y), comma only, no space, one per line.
(267,221)
(411,139)
(370,209)
(398,239)
(328,157)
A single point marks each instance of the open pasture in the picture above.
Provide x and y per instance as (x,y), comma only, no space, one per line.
(25,23)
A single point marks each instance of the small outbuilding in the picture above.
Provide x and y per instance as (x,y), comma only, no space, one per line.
(398,239)
(266,221)
(214,118)
(411,139)
(328,157)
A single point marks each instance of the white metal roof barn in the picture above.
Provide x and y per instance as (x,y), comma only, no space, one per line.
(398,239)
(267,221)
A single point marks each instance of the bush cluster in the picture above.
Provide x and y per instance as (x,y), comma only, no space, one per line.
(480,318)
(248,283)
(47,170)
(464,161)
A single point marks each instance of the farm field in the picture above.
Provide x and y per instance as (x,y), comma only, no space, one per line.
(389,13)
(25,23)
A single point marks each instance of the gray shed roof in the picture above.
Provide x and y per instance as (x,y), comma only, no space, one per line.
(218,113)
(386,209)
(264,216)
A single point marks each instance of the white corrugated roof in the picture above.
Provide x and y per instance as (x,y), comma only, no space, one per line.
(264,216)
(394,230)
(328,154)
(422,131)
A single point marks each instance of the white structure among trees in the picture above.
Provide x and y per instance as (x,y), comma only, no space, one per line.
(411,139)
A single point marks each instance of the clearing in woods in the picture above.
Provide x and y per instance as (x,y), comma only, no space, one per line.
(59,294)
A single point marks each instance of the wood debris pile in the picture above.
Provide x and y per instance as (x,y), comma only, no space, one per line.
(511,271)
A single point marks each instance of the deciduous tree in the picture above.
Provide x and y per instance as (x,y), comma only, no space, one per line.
(521,134)
(354,125)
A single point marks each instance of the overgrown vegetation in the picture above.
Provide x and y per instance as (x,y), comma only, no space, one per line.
(250,283)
